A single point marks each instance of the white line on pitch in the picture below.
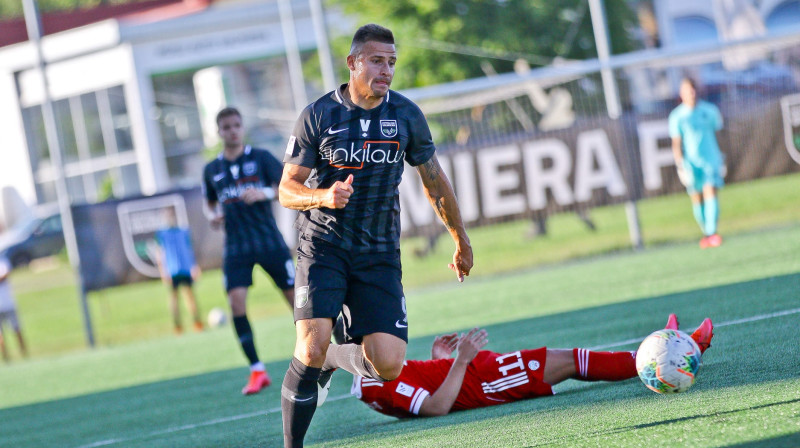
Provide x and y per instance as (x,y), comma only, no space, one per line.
(722,324)
(196,425)
(342,397)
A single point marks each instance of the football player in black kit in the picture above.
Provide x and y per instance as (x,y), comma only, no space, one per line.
(356,140)
(242,180)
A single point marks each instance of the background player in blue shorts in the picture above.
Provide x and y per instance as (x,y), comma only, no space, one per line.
(693,126)
(356,139)
(239,188)
(178,267)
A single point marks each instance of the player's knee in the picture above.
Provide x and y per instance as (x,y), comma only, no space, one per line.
(388,366)
(311,354)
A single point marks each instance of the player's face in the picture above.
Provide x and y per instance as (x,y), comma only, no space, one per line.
(231,131)
(688,94)
(372,70)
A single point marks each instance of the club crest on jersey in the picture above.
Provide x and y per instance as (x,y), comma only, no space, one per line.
(235,171)
(389,128)
(249,168)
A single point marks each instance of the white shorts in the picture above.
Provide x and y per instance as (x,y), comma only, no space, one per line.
(9,316)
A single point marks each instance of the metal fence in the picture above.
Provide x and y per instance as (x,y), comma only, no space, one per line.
(531,144)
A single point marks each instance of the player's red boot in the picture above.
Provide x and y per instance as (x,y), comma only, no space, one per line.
(714,240)
(672,322)
(259,379)
(702,336)
(704,244)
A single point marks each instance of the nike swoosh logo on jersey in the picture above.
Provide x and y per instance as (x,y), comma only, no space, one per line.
(332,131)
(218,177)
(399,325)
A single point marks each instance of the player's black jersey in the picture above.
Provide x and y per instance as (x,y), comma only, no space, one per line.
(336,138)
(248,228)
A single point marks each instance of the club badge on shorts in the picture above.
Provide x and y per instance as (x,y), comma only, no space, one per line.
(301,296)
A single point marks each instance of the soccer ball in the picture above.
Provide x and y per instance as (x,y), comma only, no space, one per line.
(668,361)
(217,318)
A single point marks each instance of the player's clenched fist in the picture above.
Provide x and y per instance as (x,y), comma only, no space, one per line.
(338,195)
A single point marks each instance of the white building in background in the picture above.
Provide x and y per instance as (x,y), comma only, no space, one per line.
(134,98)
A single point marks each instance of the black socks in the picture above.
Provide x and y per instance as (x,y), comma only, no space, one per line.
(298,402)
(245,333)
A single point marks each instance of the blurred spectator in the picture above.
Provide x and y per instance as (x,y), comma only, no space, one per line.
(8,311)
(178,267)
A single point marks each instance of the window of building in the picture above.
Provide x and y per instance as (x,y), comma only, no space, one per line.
(66,130)
(92,127)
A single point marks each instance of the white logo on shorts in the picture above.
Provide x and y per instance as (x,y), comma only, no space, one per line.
(399,325)
(533,365)
(301,296)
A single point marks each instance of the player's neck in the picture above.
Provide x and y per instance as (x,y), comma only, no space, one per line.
(232,152)
(362,100)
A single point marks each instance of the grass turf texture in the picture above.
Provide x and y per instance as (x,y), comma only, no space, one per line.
(184,392)
(51,315)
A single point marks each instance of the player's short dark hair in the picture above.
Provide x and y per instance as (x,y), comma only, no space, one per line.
(690,81)
(227,112)
(370,33)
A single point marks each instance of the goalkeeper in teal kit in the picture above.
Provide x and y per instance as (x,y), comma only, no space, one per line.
(692,127)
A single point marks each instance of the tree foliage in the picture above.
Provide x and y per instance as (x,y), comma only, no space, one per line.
(448,40)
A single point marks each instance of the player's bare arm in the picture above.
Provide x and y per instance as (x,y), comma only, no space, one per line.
(677,150)
(293,193)
(441,401)
(214,214)
(443,199)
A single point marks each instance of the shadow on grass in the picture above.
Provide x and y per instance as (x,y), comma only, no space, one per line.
(765,443)
(166,413)
(787,441)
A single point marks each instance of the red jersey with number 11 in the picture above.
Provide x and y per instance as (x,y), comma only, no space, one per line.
(491,379)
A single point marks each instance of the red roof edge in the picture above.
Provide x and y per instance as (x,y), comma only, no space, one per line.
(14,30)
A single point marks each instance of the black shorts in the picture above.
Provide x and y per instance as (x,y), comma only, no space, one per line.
(181,279)
(238,270)
(365,287)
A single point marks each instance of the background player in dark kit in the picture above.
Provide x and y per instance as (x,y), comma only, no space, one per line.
(356,139)
(241,179)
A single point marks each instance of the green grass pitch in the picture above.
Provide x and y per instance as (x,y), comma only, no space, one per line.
(185,392)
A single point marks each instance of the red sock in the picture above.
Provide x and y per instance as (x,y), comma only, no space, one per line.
(604,366)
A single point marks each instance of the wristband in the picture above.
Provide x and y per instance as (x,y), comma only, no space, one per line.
(269,193)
